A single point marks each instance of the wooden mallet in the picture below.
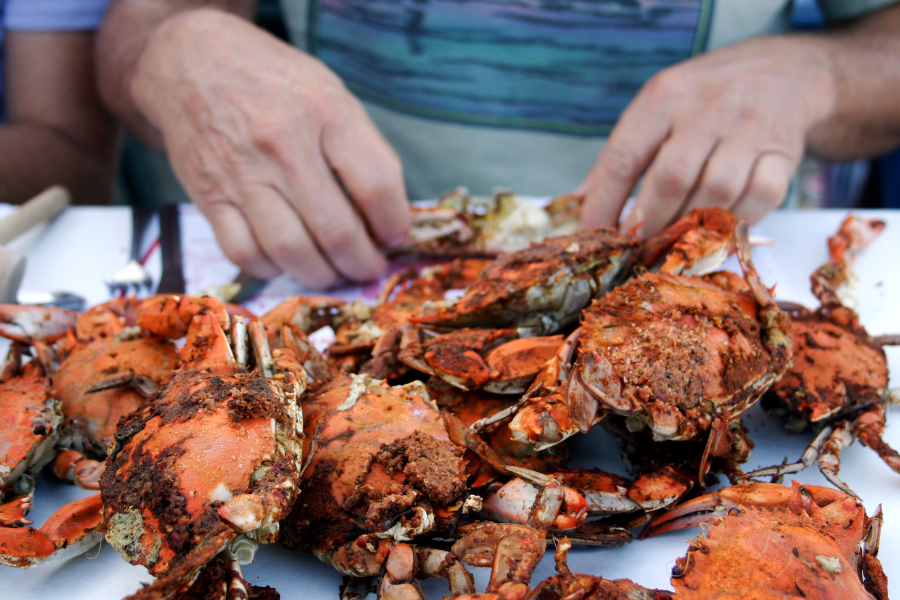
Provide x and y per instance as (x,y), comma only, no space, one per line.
(39,209)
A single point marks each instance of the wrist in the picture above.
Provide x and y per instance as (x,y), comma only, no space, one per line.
(167,61)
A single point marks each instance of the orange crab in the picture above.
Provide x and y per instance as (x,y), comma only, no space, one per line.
(174,491)
(839,379)
(772,541)
(30,419)
(385,470)
(496,359)
(373,334)
(762,541)
(541,289)
(681,356)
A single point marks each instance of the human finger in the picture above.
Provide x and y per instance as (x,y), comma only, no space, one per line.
(284,238)
(337,229)
(238,243)
(768,186)
(726,174)
(631,146)
(372,173)
(670,179)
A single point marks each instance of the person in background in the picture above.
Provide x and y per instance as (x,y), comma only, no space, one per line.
(53,127)
(302,157)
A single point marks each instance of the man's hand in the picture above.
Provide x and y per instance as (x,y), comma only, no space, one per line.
(272,148)
(725,129)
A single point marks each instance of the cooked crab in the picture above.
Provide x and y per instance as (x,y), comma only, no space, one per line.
(213,461)
(374,333)
(496,359)
(772,540)
(839,379)
(681,356)
(543,288)
(762,541)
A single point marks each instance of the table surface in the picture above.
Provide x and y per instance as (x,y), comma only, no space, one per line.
(84,246)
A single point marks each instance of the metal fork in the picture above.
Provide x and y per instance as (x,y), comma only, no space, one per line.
(133,278)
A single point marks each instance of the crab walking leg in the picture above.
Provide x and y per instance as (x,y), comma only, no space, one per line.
(828,444)
(398,582)
(824,449)
(869,427)
(29,323)
(722,502)
(72,530)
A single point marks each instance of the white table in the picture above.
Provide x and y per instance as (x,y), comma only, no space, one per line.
(85,245)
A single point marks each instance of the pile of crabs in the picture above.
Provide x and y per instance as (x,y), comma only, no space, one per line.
(432,433)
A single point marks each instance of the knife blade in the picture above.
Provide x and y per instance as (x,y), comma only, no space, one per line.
(172,279)
(249,286)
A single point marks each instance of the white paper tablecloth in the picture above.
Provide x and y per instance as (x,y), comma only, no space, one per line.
(85,245)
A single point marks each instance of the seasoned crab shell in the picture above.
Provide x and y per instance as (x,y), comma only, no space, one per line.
(383,467)
(215,453)
(543,288)
(678,352)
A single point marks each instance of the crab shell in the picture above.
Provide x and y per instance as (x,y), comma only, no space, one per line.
(837,366)
(383,468)
(773,541)
(29,418)
(677,352)
(214,454)
(91,418)
(544,287)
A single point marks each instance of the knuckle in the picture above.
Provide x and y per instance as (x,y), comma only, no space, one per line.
(769,189)
(620,162)
(285,250)
(721,190)
(336,237)
(663,87)
(672,180)
(319,279)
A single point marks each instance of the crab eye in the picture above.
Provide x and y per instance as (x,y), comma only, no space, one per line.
(735,512)
(677,571)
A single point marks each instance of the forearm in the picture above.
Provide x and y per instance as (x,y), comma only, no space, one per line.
(122,39)
(32,158)
(863,60)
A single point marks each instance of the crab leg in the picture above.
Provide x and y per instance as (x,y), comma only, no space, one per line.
(71,465)
(829,443)
(399,571)
(72,530)
(706,509)
(28,323)
(12,513)
(869,427)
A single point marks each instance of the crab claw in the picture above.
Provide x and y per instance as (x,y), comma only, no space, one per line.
(72,530)
(28,323)
(170,315)
(12,513)
(71,465)
(706,509)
